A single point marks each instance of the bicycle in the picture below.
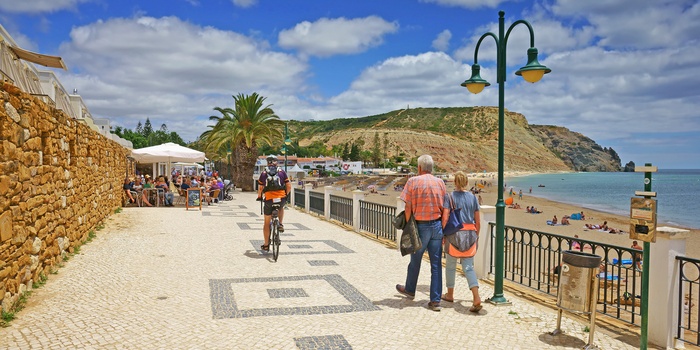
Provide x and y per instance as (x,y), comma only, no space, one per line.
(275,241)
(274,232)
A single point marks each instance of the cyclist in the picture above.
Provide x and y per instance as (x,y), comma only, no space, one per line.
(274,183)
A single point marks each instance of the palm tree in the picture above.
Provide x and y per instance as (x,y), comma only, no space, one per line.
(242,129)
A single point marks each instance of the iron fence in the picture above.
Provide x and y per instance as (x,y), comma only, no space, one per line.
(316,203)
(341,209)
(377,219)
(299,199)
(530,259)
(688,298)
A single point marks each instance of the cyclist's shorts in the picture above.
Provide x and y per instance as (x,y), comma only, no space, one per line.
(268,204)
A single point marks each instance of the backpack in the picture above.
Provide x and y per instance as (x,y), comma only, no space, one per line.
(273,182)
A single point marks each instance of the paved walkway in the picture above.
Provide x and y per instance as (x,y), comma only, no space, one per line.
(167,278)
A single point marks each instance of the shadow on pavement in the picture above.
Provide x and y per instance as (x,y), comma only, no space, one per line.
(563,339)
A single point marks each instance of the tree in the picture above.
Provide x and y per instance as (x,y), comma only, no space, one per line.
(354,155)
(147,128)
(244,128)
(346,152)
(376,155)
(386,147)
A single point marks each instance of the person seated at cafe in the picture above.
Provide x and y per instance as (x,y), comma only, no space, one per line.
(185,185)
(128,187)
(193,182)
(138,186)
(213,187)
(168,196)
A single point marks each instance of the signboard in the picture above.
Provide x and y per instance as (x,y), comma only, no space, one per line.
(194,198)
(643,219)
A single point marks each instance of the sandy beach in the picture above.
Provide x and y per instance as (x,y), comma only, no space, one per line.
(538,222)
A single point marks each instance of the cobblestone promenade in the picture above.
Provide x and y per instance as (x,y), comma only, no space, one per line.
(167,278)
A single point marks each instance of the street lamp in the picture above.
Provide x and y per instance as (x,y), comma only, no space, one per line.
(531,72)
(287,143)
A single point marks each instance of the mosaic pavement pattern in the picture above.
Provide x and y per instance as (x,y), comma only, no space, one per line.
(288,295)
(259,225)
(313,246)
(330,342)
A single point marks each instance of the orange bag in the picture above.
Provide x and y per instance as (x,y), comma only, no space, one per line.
(454,252)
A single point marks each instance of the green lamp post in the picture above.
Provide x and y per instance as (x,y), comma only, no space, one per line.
(287,143)
(532,72)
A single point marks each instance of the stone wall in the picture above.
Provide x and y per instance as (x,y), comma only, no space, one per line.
(58,180)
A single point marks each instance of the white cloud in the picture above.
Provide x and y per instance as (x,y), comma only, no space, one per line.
(470,4)
(171,70)
(637,23)
(38,6)
(442,42)
(245,3)
(328,37)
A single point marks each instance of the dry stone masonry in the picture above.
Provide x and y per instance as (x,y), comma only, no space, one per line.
(58,180)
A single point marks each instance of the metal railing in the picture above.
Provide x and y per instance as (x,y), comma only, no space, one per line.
(688,299)
(531,256)
(341,209)
(377,218)
(316,203)
(299,198)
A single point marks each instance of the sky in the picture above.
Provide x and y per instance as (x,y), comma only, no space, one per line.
(625,73)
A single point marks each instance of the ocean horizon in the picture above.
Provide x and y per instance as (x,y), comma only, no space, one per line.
(677,190)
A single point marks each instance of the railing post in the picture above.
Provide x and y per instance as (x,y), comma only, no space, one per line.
(291,196)
(307,189)
(484,251)
(400,206)
(357,196)
(327,201)
(663,289)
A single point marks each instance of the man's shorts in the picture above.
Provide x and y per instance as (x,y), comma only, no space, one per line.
(268,204)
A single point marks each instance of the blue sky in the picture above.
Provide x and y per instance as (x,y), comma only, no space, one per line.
(625,73)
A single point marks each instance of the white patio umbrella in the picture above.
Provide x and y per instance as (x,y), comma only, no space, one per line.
(167,152)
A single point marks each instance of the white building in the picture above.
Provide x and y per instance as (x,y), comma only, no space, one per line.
(351,167)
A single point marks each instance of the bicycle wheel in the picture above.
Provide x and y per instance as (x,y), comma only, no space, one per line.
(275,240)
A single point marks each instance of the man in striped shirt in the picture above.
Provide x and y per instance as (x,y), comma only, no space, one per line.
(426,198)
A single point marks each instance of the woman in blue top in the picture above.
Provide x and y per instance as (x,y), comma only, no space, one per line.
(470,215)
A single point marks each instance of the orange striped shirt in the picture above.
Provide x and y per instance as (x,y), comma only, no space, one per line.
(426,196)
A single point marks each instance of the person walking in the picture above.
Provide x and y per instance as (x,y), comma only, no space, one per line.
(425,197)
(471,221)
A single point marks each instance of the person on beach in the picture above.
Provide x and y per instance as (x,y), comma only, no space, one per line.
(425,197)
(636,257)
(471,220)
(554,220)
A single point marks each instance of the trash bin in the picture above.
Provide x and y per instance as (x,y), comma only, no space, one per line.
(578,290)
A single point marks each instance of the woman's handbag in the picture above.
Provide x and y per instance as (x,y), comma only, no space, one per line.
(454,223)
(462,244)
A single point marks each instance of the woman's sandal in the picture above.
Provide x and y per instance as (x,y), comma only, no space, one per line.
(449,300)
(475,308)
(265,247)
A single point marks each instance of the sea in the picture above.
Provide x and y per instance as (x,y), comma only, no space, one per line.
(677,192)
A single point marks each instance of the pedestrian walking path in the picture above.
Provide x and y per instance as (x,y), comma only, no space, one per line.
(167,278)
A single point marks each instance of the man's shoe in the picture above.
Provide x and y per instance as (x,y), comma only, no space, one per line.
(434,305)
(401,289)
(280,228)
